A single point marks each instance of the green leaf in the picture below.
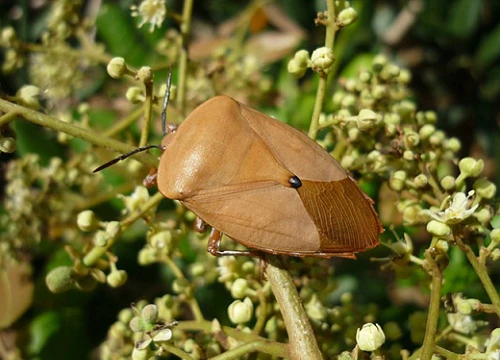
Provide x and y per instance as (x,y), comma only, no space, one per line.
(488,51)
(464,17)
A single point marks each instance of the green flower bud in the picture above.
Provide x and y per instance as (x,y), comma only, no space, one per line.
(406,108)
(397,180)
(448,183)
(378,63)
(393,70)
(125,315)
(113,228)
(7,145)
(101,238)
(146,256)
(150,313)
(495,236)
(453,144)
(296,69)
(392,118)
(353,134)
(483,215)
(8,37)
(370,337)
(351,85)
(438,228)
(337,97)
(116,278)
(365,77)
(409,155)
(366,98)
(366,120)
(437,139)
(348,101)
(198,269)
(248,267)
(426,131)
(471,167)
(240,312)
(430,117)
(346,298)
(60,279)
(411,139)
(322,60)
(145,74)
(182,286)
(302,58)
(239,288)
(495,254)
(404,76)
(28,96)
(379,91)
(345,355)
(442,246)
(420,181)
(161,240)
(87,221)
(485,188)
(390,130)
(135,95)
(464,307)
(117,68)
(347,161)
(347,16)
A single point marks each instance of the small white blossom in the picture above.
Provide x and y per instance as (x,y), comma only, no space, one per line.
(370,337)
(458,210)
(150,11)
(462,323)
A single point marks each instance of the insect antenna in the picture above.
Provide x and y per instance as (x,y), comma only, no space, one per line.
(163,126)
(165,103)
(124,156)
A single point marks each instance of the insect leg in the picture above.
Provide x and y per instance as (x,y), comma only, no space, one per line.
(150,180)
(199,225)
(214,246)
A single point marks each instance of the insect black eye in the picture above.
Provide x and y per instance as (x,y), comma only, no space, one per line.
(295,182)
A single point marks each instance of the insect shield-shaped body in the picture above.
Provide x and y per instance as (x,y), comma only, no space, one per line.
(265,184)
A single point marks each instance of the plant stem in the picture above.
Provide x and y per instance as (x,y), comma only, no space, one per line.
(331,28)
(76,131)
(183,58)
(301,337)
(192,302)
(148,106)
(446,353)
(262,346)
(482,273)
(124,123)
(434,306)
(95,254)
(8,117)
(177,352)
(206,326)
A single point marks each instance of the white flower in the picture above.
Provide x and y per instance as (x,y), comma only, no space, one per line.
(458,210)
(151,11)
(240,311)
(370,337)
(462,323)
